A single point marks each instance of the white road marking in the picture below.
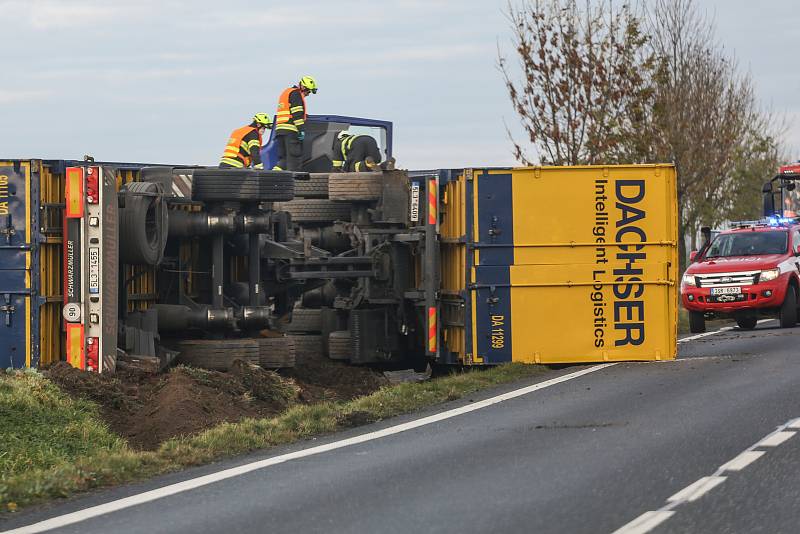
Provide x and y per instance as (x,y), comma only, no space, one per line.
(705,334)
(742,461)
(651,519)
(697,489)
(795,424)
(186,485)
(773,440)
(720,331)
(644,523)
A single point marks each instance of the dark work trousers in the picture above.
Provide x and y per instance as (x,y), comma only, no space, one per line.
(290,152)
(363,146)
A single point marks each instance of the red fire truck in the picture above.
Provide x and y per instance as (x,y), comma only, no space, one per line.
(752,269)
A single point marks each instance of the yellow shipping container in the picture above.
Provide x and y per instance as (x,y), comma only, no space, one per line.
(563,264)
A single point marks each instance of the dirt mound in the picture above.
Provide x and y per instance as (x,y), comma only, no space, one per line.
(117,392)
(321,379)
(148,409)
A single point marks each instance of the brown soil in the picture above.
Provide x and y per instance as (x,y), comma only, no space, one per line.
(148,409)
(321,379)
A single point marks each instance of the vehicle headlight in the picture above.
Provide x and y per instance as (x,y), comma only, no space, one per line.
(689,280)
(769,275)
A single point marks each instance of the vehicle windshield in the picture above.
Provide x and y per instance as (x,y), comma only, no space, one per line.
(791,203)
(748,244)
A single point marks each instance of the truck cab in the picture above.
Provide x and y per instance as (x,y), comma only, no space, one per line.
(748,271)
(321,132)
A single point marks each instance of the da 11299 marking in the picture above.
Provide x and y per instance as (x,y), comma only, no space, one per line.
(498,332)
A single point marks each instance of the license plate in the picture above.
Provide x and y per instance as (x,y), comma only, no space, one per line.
(414,201)
(726,290)
(94,270)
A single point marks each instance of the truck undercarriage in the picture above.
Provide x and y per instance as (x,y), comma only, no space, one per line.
(236,254)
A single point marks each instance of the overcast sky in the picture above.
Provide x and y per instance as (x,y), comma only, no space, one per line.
(166,81)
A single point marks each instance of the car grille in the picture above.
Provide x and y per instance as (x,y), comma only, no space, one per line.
(744,278)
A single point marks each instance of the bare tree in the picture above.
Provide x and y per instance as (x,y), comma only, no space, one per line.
(604,84)
(584,88)
(707,117)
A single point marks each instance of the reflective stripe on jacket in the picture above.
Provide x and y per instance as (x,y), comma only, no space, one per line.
(340,149)
(291,115)
(243,144)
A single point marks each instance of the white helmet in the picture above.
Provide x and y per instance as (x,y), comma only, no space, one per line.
(343,134)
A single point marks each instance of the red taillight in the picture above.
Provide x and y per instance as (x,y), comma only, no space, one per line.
(92,354)
(92,185)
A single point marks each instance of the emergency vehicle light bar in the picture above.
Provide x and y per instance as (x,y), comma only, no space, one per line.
(769,221)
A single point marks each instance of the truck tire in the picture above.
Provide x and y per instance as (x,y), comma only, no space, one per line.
(143,224)
(218,185)
(331,320)
(788,313)
(307,347)
(747,322)
(315,187)
(315,210)
(339,345)
(350,186)
(276,352)
(305,320)
(697,322)
(218,354)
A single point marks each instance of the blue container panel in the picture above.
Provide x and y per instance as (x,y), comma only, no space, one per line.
(17,318)
(14,339)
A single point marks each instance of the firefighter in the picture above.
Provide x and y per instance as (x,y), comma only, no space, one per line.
(290,124)
(357,153)
(244,144)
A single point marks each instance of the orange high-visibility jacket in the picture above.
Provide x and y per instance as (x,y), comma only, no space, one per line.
(243,148)
(291,115)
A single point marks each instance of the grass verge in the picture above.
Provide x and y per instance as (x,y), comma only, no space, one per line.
(59,446)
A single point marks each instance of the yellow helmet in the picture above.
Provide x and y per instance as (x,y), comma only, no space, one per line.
(309,83)
(263,119)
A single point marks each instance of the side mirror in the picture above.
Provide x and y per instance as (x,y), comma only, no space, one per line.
(769,200)
(692,255)
(705,231)
(797,250)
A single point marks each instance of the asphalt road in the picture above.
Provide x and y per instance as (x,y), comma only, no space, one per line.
(591,454)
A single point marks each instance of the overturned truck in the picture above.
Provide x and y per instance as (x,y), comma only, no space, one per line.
(103,262)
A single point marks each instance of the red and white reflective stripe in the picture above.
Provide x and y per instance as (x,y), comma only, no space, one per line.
(433,192)
(432,335)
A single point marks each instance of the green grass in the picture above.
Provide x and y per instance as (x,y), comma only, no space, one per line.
(79,453)
(42,427)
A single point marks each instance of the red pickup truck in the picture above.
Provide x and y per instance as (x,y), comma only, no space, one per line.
(751,270)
